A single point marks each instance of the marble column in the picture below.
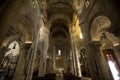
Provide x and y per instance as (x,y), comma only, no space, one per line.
(101,62)
(43,57)
(76,59)
(28,60)
(77,62)
(71,63)
(77,69)
(54,60)
(19,72)
(89,51)
(73,56)
(41,64)
(52,57)
(32,58)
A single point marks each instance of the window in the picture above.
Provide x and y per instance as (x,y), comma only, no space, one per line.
(112,62)
(59,52)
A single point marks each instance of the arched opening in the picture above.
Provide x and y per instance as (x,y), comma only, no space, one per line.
(99,25)
(99,33)
(20,33)
(59,45)
(9,56)
(10,59)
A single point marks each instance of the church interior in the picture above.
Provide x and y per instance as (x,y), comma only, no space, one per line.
(59,40)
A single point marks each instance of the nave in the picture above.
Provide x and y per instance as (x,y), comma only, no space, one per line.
(59,40)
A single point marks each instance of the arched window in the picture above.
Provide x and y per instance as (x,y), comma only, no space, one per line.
(10,59)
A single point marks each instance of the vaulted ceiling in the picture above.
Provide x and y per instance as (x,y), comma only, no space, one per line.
(59,14)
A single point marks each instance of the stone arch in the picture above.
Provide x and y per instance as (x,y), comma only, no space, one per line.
(5,44)
(59,25)
(99,31)
(59,17)
(59,39)
(98,25)
(9,39)
(10,53)
(64,2)
(21,30)
(25,27)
